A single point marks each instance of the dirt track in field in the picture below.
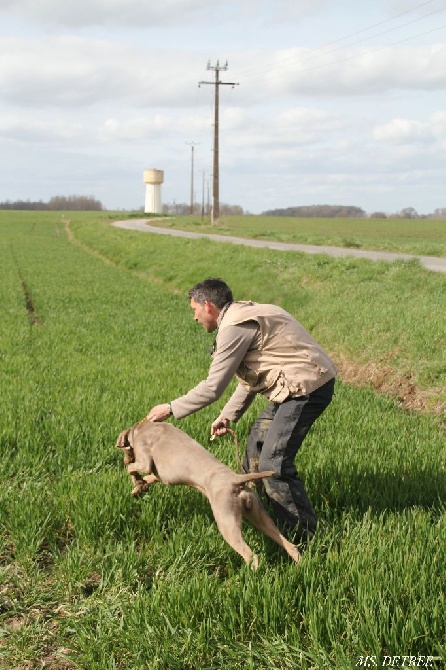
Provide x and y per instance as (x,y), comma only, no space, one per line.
(433,263)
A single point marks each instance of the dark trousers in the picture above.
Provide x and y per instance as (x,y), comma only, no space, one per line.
(273,444)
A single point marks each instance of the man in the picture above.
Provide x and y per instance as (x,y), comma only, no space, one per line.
(272,354)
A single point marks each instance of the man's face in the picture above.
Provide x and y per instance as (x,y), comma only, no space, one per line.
(204,314)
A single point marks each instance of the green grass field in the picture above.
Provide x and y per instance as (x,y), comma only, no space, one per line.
(423,237)
(96,328)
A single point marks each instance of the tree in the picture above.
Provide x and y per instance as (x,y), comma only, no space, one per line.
(409,213)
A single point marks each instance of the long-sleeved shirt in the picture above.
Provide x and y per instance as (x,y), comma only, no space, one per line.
(268,351)
(232,347)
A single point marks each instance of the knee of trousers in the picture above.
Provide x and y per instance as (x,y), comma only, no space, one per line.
(281,467)
(269,463)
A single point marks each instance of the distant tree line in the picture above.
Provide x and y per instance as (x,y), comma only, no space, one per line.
(82,203)
(411,213)
(59,203)
(349,211)
(184,209)
(320,211)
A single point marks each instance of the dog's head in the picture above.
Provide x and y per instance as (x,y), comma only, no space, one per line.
(123,442)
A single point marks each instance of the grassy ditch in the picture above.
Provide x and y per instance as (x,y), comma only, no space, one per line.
(92,579)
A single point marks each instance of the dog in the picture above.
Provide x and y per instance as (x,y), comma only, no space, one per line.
(170,456)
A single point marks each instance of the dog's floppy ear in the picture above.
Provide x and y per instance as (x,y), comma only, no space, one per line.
(123,441)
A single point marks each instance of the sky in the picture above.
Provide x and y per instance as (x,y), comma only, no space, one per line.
(335,101)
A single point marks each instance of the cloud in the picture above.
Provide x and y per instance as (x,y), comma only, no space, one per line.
(72,71)
(84,13)
(142,13)
(27,129)
(403,131)
(152,125)
(411,132)
(438,121)
(281,135)
(358,72)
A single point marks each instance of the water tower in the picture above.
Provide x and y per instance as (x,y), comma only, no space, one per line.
(153,180)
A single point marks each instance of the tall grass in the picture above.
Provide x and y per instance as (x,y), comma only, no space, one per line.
(91,578)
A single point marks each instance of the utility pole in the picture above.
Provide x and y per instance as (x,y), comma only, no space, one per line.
(202,199)
(192,145)
(216,177)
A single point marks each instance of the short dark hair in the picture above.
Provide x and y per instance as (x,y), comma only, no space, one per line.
(213,290)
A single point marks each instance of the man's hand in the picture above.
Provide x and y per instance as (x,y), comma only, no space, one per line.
(159,412)
(220,427)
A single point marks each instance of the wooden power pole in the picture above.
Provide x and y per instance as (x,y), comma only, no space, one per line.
(192,145)
(216,176)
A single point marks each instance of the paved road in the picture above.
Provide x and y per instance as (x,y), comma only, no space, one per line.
(430,262)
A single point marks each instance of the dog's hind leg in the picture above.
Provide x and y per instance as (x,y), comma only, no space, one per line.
(229,524)
(256,514)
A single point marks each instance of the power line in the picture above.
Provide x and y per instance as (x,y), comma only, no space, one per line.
(301,69)
(389,30)
(392,18)
(321,51)
(370,51)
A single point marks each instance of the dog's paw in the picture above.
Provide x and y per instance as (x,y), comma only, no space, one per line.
(254,562)
(140,488)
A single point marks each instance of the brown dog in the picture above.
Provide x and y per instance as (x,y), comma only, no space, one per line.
(170,456)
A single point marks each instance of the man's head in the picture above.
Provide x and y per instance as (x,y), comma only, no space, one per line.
(207,298)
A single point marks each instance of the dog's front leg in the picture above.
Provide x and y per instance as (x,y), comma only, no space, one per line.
(151,479)
(141,483)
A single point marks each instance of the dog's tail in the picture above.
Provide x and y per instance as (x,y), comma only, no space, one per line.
(251,476)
